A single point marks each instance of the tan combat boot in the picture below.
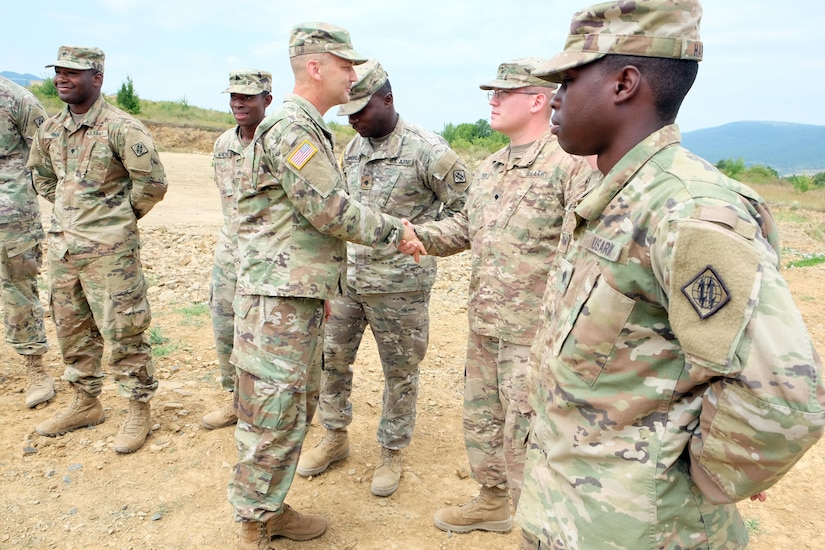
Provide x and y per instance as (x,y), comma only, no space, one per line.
(295,525)
(134,430)
(489,511)
(386,476)
(252,535)
(84,410)
(290,524)
(332,448)
(41,385)
(220,418)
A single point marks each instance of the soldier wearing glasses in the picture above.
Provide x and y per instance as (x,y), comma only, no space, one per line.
(511,223)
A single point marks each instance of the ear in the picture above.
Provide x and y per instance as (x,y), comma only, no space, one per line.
(627,84)
(388,99)
(97,80)
(314,68)
(540,100)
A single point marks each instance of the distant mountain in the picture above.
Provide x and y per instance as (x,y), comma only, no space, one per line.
(786,147)
(24,80)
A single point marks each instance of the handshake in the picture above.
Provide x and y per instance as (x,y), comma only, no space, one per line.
(410,244)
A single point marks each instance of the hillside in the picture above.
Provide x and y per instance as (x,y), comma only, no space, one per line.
(788,148)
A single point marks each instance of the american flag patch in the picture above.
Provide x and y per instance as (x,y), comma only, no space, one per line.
(301,155)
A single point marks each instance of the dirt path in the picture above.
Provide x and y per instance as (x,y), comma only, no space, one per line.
(74,492)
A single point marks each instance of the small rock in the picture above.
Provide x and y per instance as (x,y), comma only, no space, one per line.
(27,451)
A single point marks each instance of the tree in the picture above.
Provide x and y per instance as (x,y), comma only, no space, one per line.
(46,88)
(127,99)
(732,168)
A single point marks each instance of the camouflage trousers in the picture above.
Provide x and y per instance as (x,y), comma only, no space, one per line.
(97,301)
(221,294)
(400,324)
(22,311)
(496,413)
(277,353)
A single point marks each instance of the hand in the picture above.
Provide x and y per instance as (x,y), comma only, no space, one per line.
(410,244)
(761,497)
(327,310)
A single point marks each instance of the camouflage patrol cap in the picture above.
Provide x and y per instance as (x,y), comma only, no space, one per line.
(371,76)
(517,74)
(249,82)
(649,28)
(323,37)
(80,58)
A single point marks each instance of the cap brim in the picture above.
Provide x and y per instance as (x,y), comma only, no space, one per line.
(499,84)
(245,90)
(350,55)
(553,68)
(70,65)
(354,106)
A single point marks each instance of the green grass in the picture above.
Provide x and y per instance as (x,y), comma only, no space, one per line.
(753,527)
(194,315)
(161,345)
(808,260)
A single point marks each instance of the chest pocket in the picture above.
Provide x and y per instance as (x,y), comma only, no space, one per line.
(531,214)
(95,164)
(592,317)
(225,170)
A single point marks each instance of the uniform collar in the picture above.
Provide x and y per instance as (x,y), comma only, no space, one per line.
(529,156)
(594,203)
(89,117)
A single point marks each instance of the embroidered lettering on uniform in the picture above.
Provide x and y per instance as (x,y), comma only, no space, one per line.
(223,155)
(351,158)
(53,135)
(602,247)
(301,155)
(706,292)
(139,149)
(403,162)
(96,133)
(536,174)
(459,176)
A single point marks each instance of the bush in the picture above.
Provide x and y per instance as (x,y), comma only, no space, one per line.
(127,99)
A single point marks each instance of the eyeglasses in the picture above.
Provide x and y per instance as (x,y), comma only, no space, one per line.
(501,94)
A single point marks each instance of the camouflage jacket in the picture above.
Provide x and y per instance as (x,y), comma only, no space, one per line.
(20,115)
(294,211)
(102,174)
(672,374)
(410,174)
(511,223)
(227,164)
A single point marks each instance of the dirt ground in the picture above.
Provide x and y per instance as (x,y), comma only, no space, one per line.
(75,492)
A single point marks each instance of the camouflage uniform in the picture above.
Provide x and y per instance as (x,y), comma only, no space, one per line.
(511,223)
(673,374)
(103,174)
(410,173)
(21,231)
(293,214)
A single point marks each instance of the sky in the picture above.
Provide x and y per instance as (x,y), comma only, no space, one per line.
(763,59)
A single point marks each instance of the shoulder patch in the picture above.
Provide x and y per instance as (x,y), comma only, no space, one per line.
(139,149)
(706,292)
(459,176)
(39,121)
(301,155)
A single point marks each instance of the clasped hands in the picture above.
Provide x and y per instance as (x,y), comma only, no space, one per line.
(410,244)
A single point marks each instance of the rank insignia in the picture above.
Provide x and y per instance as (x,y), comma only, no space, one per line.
(301,155)
(706,292)
(139,149)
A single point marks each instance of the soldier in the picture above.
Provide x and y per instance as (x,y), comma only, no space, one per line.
(511,224)
(674,375)
(100,169)
(21,235)
(293,214)
(250,95)
(404,170)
